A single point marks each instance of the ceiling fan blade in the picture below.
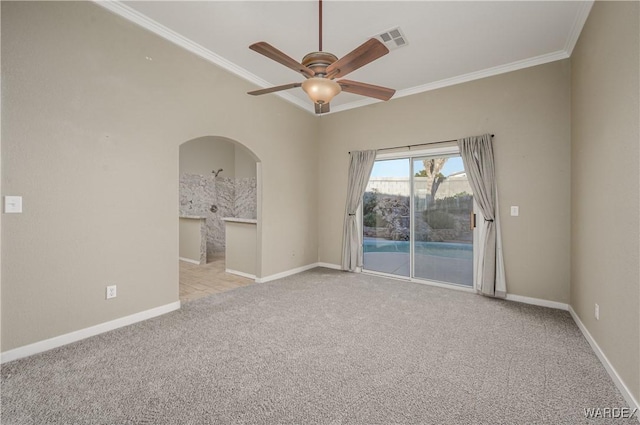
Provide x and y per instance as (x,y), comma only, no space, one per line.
(274,89)
(365,89)
(322,109)
(368,51)
(272,53)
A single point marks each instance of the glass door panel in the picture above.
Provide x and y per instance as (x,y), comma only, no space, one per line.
(442,211)
(386,218)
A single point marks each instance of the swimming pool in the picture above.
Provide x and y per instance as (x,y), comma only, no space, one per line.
(439,249)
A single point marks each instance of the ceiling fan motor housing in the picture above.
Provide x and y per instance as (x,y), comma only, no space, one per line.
(318,62)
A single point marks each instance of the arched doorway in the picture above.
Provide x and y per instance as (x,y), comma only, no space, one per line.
(219,209)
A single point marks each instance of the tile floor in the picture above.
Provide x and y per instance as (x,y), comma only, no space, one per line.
(199,281)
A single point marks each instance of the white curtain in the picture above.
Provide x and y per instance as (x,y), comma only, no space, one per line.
(477,156)
(360,166)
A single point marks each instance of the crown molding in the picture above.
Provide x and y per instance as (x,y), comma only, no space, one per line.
(578,24)
(138,18)
(149,24)
(490,72)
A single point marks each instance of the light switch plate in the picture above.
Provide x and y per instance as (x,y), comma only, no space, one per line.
(515,211)
(13,204)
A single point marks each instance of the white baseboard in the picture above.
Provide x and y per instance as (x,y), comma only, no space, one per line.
(58,341)
(287,273)
(330,266)
(189,260)
(538,301)
(296,271)
(633,403)
(241,274)
(509,297)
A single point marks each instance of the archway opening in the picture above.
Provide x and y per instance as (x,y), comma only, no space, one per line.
(218,216)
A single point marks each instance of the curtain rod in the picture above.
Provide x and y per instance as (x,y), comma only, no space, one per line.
(418,144)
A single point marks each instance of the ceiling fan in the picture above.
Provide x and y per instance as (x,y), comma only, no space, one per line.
(322,68)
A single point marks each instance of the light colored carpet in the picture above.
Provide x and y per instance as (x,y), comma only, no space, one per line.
(321,347)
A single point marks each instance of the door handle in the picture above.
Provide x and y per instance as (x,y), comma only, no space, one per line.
(472,221)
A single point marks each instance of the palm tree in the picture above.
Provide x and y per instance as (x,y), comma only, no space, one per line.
(432,168)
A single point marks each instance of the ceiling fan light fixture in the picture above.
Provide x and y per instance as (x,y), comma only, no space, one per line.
(321,90)
(321,68)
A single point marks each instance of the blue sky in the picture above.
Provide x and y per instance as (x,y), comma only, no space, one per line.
(400,167)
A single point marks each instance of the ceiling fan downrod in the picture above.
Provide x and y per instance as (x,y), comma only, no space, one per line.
(320,25)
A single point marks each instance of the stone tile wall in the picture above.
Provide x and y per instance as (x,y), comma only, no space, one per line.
(217,197)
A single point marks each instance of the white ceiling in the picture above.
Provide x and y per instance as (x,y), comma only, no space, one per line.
(449,41)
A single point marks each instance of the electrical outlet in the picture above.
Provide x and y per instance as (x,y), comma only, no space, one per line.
(111,291)
(597,312)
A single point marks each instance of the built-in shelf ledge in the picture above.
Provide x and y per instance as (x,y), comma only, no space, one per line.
(194,217)
(240,220)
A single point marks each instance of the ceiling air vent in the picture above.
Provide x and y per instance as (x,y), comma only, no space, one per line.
(393,38)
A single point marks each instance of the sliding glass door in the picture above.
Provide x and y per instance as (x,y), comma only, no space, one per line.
(418,219)
(386,218)
(443,208)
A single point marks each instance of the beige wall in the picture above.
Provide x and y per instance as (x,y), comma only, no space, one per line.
(605,184)
(1,191)
(245,165)
(90,138)
(210,153)
(240,247)
(206,154)
(528,111)
(190,245)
